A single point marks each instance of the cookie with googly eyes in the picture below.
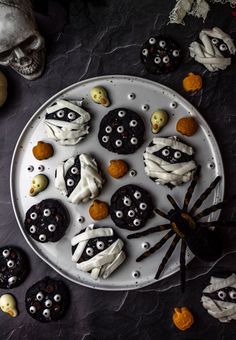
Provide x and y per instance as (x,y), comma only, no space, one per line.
(160,54)
(47,300)
(14,267)
(169,161)
(98,251)
(121,131)
(66,122)
(79,178)
(47,221)
(131,206)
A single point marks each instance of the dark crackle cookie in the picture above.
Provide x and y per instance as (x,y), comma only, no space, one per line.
(131,206)
(121,131)
(160,55)
(14,267)
(47,221)
(47,300)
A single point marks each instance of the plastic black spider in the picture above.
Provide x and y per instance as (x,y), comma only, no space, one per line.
(187,227)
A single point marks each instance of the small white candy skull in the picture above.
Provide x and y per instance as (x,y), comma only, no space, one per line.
(8,305)
(159,119)
(39,183)
(21,45)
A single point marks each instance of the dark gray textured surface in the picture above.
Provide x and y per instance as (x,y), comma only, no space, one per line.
(99,38)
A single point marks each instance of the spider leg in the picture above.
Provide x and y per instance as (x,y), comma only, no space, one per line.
(156,246)
(150,231)
(209,210)
(167,256)
(160,213)
(172,201)
(210,224)
(191,188)
(204,195)
(182,264)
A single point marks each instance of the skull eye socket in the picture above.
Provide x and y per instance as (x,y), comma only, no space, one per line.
(60,114)
(152,41)
(89,251)
(71,115)
(100,245)
(177,154)
(165,152)
(34,42)
(221,294)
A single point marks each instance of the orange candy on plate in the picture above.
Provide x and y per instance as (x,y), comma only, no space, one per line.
(42,151)
(99,210)
(117,168)
(187,126)
(182,318)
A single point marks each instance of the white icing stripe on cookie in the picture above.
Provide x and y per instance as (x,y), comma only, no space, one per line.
(90,234)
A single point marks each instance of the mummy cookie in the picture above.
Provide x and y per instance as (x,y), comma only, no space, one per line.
(215,49)
(47,221)
(66,122)
(97,251)
(169,161)
(131,206)
(13,267)
(121,131)
(160,55)
(79,178)
(219,298)
(47,300)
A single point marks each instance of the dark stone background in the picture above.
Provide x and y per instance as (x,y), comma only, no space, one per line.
(92,38)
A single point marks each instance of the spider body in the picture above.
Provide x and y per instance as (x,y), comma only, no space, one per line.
(185,226)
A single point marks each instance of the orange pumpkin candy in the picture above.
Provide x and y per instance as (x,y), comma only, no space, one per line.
(182,318)
(99,210)
(42,151)
(192,83)
(117,168)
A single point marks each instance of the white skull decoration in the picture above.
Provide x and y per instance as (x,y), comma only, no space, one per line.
(21,46)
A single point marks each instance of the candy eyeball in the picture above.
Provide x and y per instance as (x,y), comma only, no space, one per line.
(223,47)
(71,116)
(51,228)
(165,152)
(42,238)
(89,251)
(121,113)
(145,107)
(10,263)
(74,170)
(108,129)
(41,168)
(39,296)
(133,173)
(175,53)
(60,114)
(32,310)
(221,294)
(131,96)
(30,168)
(145,52)
(162,43)
(100,245)
(12,280)
(32,229)
(119,214)
(137,195)
(6,253)
(157,60)
(70,182)
(127,201)
(46,212)
(57,298)
(166,59)
(177,154)
(33,216)
(214,41)
(105,139)
(46,313)
(120,129)
(135,274)
(152,41)
(80,219)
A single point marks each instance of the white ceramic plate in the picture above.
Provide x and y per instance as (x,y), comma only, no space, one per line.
(58,255)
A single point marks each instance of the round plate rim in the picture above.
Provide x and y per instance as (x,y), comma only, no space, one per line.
(59,93)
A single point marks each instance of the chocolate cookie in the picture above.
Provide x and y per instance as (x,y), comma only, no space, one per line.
(97,251)
(79,178)
(131,206)
(14,267)
(160,55)
(121,131)
(47,221)
(47,300)
(169,161)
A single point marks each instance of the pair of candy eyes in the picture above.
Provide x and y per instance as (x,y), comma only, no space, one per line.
(61,114)
(119,142)
(222,47)
(166,153)
(120,129)
(162,43)
(42,237)
(222,294)
(46,213)
(100,246)
(40,168)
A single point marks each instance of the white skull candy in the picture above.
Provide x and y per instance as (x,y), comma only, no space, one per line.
(21,45)
(39,183)
(8,305)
